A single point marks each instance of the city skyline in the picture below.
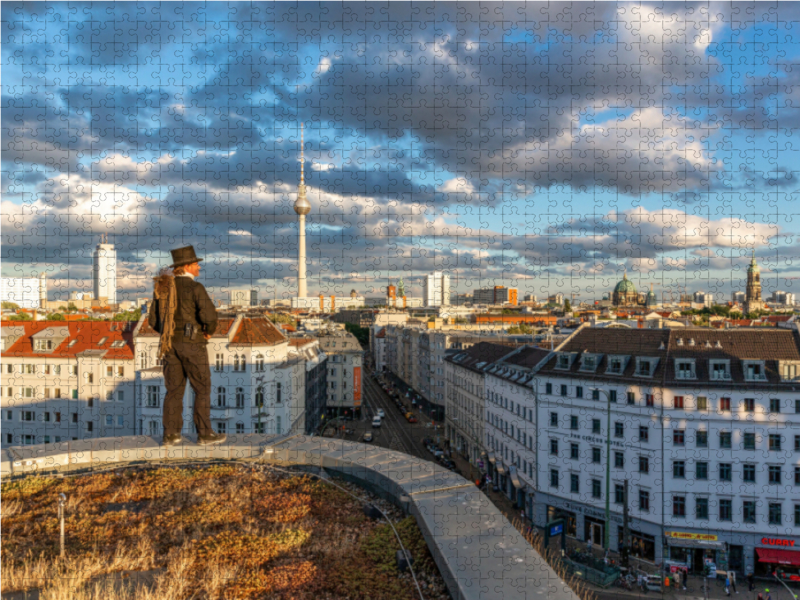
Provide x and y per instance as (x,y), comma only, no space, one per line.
(538,177)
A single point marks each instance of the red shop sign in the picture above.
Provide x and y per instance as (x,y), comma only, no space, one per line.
(777,542)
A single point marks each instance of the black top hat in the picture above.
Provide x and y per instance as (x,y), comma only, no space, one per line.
(184,256)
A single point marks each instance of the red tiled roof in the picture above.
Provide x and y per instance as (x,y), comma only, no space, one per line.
(300,342)
(259,332)
(86,335)
(382,333)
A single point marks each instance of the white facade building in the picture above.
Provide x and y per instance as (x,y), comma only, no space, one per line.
(436,289)
(104,272)
(26,292)
(345,371)
(66,381)
(703,424)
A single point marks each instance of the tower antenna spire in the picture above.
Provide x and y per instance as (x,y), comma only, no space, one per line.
(302,155)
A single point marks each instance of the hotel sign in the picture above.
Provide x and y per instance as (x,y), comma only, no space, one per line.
(685,535)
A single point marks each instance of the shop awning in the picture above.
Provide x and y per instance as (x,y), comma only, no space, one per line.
(515,478)
(681,543)
(778,557)
(501,469)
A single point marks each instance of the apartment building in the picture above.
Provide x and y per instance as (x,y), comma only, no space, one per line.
(344,371)
(66,381)
(703,424)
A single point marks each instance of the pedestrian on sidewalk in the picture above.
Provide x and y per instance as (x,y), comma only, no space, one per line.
(727,585)
(751,584)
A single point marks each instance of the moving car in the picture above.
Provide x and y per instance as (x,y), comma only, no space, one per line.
(412,419)
(376,421)
(368,437)
(381,414)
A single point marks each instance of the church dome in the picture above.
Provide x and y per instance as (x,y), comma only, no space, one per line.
(625,286)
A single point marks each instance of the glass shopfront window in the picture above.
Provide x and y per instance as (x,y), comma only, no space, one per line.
(570,519)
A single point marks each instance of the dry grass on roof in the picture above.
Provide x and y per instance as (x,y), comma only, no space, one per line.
(220,532)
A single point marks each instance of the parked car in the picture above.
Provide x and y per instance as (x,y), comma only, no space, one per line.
(368,437)
(381,414)
(376,421)
(412,419)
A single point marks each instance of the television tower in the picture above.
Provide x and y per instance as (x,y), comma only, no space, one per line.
(302,208)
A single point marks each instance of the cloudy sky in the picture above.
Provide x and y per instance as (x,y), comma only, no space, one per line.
(543,146)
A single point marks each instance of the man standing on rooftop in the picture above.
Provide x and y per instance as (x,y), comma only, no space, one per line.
(184,315)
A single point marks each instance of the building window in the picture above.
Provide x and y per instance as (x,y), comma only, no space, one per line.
(725,471)
(644,501)
(222,427)
(595,394)
(596,426)
(260,427)
(152,399)
(596,491)
(563,391)
(278,427)
(220,362)
(749,441)
(677,402)
(797,443)
(702,403)
(619,493)
(619,460)
(109,396)
(678,437)
(612,395)
(754,371)
(701,470)
(684,369)
(701,508)
(679,506)
(259,362)
(749,511)
(222,401)
(260,396)
(649,400)
(644,464)
(239,427)
(554,478)
(701,438)
(109,371)
(797,514)
(725,405)
(749,405)
(90,426)
(644,433)
(631,398)
(574,484)
(774,442)
(797,475)
(554,447)
(775,517)
(279,393)
(749,473)
(596,455)
(679,469)
(109,421)
(573,423)
(548,388)
(239,397)
(579,392)
(725,509)
(774,474)
(774,405)
(619,429)
(724,439)
(27,415)
(553,419)
(574,451)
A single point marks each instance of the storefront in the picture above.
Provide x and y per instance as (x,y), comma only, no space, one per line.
(570,518)
(502,473)
(642,545)
(696,550)
(594,530)
(517,490)
(778,553)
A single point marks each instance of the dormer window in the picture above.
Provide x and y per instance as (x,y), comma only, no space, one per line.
(589,362)
(616,364)
(720,370)
(754,370)
(789,371)
(102,341)
(645,366)
(684,369)
(43,345)
(563,361)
